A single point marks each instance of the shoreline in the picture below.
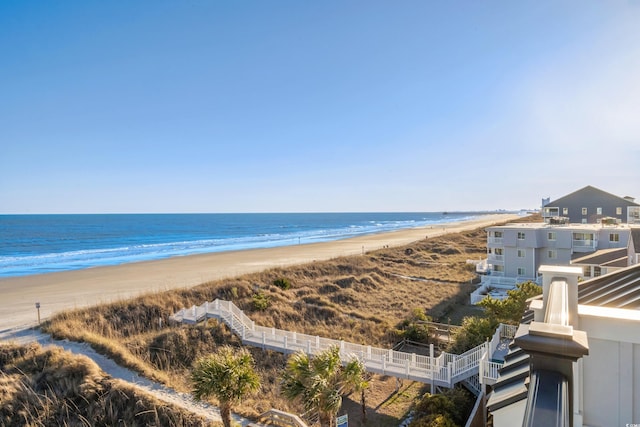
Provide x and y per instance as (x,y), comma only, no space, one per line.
(59,291)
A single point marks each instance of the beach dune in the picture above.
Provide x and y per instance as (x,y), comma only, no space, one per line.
(82,288)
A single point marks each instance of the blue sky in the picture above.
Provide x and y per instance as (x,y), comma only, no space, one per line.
(273,106)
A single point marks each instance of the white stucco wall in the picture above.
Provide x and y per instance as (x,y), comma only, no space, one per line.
(511,415)
(611,371)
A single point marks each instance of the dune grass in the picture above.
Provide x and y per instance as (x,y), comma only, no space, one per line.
(361,298)
(43,387)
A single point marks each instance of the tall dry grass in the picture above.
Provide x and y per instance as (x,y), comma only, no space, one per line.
(362,299)
(44,387)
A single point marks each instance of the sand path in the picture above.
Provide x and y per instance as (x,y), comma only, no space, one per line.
(81,288)
(111,368)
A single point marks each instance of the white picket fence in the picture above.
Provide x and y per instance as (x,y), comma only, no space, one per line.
(444,370)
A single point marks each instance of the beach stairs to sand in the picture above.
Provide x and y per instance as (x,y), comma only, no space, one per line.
(472,368)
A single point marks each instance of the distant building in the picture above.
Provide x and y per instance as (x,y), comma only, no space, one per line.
(591,205)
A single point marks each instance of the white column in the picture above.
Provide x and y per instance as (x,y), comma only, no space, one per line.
(625,391)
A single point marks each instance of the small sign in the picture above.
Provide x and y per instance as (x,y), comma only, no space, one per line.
(342,421)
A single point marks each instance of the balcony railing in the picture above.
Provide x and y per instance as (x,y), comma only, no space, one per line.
(584,245)
(495,240)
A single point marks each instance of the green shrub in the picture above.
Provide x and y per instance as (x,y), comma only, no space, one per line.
(414,328)
(474,331)
(511,309)
(261,301)
(448,409)
(282,283)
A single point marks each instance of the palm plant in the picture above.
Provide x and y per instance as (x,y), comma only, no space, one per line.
(228,375)
(320,382)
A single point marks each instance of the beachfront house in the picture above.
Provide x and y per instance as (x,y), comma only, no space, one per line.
(516,251)
(590,205)
(575,359)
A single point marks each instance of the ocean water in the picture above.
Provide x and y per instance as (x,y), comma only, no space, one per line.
(34,244)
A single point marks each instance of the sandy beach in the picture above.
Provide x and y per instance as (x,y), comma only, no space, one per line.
(81,288)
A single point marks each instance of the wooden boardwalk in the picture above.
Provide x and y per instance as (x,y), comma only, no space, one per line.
(445,370)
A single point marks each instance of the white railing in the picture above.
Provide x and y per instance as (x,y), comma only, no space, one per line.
(281,418)
(589,244)
(507,331)
(444,370)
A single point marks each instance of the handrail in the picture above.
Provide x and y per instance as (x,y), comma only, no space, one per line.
(444,370)
(284,419)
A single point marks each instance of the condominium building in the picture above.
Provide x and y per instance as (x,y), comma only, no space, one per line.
(590,205)
(518,250)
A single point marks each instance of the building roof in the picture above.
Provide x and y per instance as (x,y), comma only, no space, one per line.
(570,226)
(602,257)
(591,192)
(620,289)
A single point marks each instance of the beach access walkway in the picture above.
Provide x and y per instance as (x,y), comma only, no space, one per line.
(473,368)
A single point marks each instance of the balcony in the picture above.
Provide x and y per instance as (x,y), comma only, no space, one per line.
(495,240)
(584,245)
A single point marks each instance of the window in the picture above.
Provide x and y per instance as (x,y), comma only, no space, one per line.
(584,211)
(598,211)
(584,220)
(552,254)
(521,271)
(614,237)
(565,211)
(596,271)
(587,271)
(498,268)
(521,253)
(583,236)
(520,235)
(497,234)
(498,251)
(618,211)
(551,235)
